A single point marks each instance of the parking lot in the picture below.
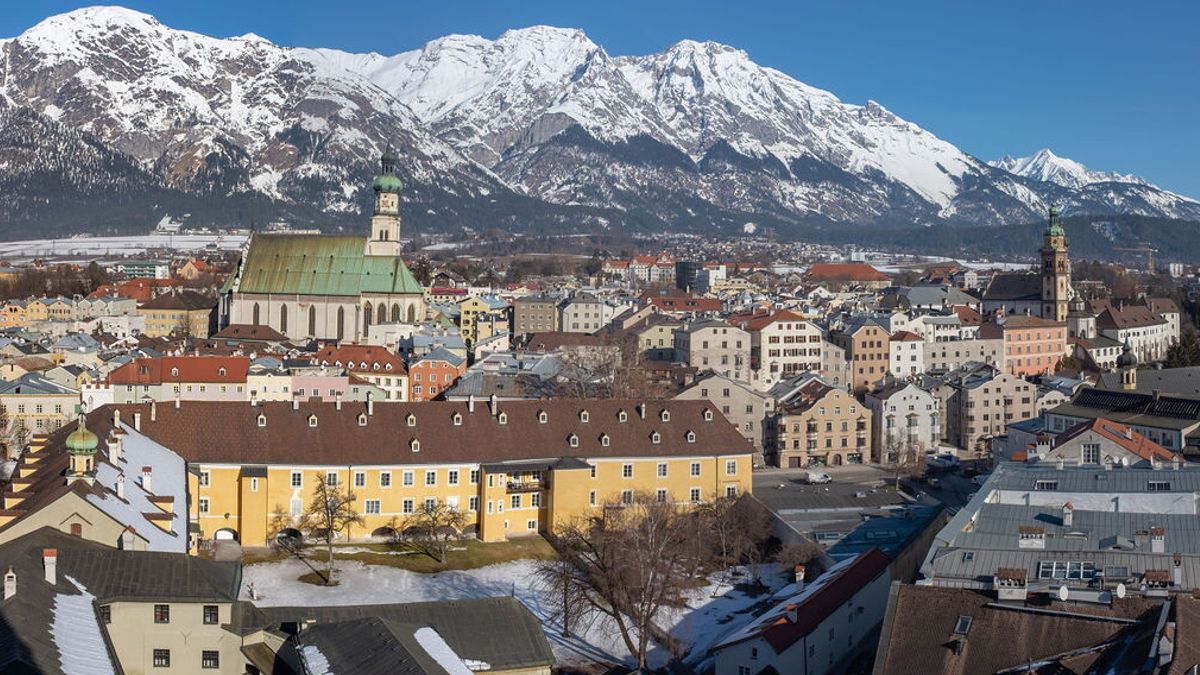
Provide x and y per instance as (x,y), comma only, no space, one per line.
(954,488)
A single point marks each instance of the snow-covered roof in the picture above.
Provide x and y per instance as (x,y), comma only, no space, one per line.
(77,635)
(169,478)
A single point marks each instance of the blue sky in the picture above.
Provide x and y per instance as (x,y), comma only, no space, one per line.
(1115,85)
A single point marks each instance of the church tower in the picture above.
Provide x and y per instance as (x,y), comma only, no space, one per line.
(384,239)
(81,452)
(1056,270)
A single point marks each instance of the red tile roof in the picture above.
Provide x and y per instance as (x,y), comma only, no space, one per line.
(685,303)
(1121,434)
(756,321)
(221,369)
(845,272)
(361,359)
(905,335)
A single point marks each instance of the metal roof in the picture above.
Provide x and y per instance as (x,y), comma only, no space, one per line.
(321,265)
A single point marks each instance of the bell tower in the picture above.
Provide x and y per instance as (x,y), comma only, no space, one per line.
(1056,270)
(384,239)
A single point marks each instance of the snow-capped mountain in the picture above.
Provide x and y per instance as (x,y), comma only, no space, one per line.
(539,128)
(1046,166)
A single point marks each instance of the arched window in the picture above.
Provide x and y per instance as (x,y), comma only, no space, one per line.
(412,313)
(381,315)
(312,321)
(255,315)
(366,318)
(283,319)
(395,313)
(341,322)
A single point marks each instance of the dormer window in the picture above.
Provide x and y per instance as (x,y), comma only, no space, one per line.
(690,436)
(174,372)
(708,416)
(414,445)
(502,418)
(262,420)
(411,420)
(584,416)
(543,417)
(312,420)
(221,372)
(655,438)
(457,419)
(573,441)
(622,416)
(665,415)
(362,419)
(604,440)
(387,366)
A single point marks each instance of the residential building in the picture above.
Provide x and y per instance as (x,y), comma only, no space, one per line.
(1101,442)
(981,401)
(36,404)
(813,629)
(1032,346)
(750,410)
(1147,332)
(584,313)
(905,419)
(516,468)
(482,317)
(435,372)
(954,354)
(782,344)
(169,378)
(183,313)
(1170,421)
(819,425)
(375,365)
(714,345)
(535,314)
(907,354)
(868,349)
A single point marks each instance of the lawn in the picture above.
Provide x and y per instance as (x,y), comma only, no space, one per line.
(464,555)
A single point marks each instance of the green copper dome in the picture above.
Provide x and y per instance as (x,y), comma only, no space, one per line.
(81,441)
(388,182)
(1054,228)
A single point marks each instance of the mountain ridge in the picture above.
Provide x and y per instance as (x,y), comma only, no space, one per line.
(539,127)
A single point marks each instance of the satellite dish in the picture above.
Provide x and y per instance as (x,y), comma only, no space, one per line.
(1121,591)
(1063,593)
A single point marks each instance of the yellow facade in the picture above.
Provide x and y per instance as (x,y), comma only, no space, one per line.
(167,322)
(36,310)
(14,315)
(254,503)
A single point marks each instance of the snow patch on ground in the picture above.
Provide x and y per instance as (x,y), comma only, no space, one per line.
(713,610)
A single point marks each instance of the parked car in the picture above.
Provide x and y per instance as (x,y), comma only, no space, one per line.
(817,478)
(943,461)
(980,479)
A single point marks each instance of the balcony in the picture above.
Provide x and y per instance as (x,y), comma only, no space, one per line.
(526,485)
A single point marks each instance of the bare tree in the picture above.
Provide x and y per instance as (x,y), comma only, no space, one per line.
(435,526)
(799,552)
(736,527)
(19,435)
(329,513)
(628,564)
(903,457)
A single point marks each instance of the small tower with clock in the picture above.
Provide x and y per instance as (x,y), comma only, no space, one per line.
(1056,270)
(384,239)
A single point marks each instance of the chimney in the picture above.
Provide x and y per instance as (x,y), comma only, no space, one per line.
(337,401)
(177,401)
(492,405)
(50,565)
(10,583)
(1177,570)
(1158,540)
(253,398)
(641,410)
(148,479)
(121,487)
(471,403)
(116,417)
(370,403)
(153,410)
(799,572)
(295,402)
(137,421)
(1068,513)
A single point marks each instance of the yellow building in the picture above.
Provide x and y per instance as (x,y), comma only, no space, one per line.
(183,313)
(36,310)
(515,468)
(14,314)
(481,318)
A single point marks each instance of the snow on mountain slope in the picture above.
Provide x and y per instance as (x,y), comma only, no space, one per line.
(1044,165)
(540,121)
(215,114)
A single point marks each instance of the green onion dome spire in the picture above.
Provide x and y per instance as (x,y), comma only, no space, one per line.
(387,180)
(81,441)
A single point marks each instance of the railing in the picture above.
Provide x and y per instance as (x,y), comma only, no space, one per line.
(525,486)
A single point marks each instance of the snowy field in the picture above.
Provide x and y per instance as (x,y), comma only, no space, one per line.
(707,618)
(92,247)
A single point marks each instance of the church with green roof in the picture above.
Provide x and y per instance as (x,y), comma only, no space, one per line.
(332,287)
